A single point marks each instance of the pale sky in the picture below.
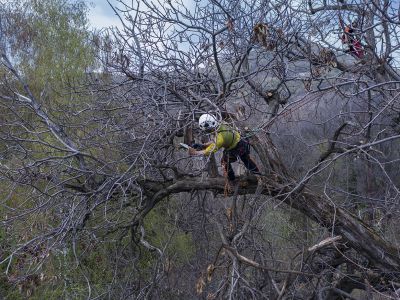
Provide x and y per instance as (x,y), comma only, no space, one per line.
(101,14)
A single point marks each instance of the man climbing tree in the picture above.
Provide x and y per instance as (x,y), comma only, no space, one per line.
(349,38)
(229,139)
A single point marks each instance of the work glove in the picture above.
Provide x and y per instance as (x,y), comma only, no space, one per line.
(192,151)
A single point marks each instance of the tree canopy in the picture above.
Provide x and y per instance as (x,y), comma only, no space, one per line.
(98,200)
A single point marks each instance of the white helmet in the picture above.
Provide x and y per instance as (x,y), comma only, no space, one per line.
(208,123)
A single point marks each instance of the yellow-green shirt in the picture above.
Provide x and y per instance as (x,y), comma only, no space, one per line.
(226,138)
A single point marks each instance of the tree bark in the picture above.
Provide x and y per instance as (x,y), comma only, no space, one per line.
(382,256)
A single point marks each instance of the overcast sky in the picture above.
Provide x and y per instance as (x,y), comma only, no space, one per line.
(101,15)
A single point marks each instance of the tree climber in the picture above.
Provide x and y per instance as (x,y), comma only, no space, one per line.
(227,138)
(349,38)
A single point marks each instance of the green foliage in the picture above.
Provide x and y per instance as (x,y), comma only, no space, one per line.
(49,292)
(59,48)
(50,44)
(163,232)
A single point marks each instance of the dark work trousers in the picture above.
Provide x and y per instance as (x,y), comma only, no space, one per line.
(241,150)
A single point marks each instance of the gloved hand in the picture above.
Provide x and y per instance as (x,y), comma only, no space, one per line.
(192,151)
